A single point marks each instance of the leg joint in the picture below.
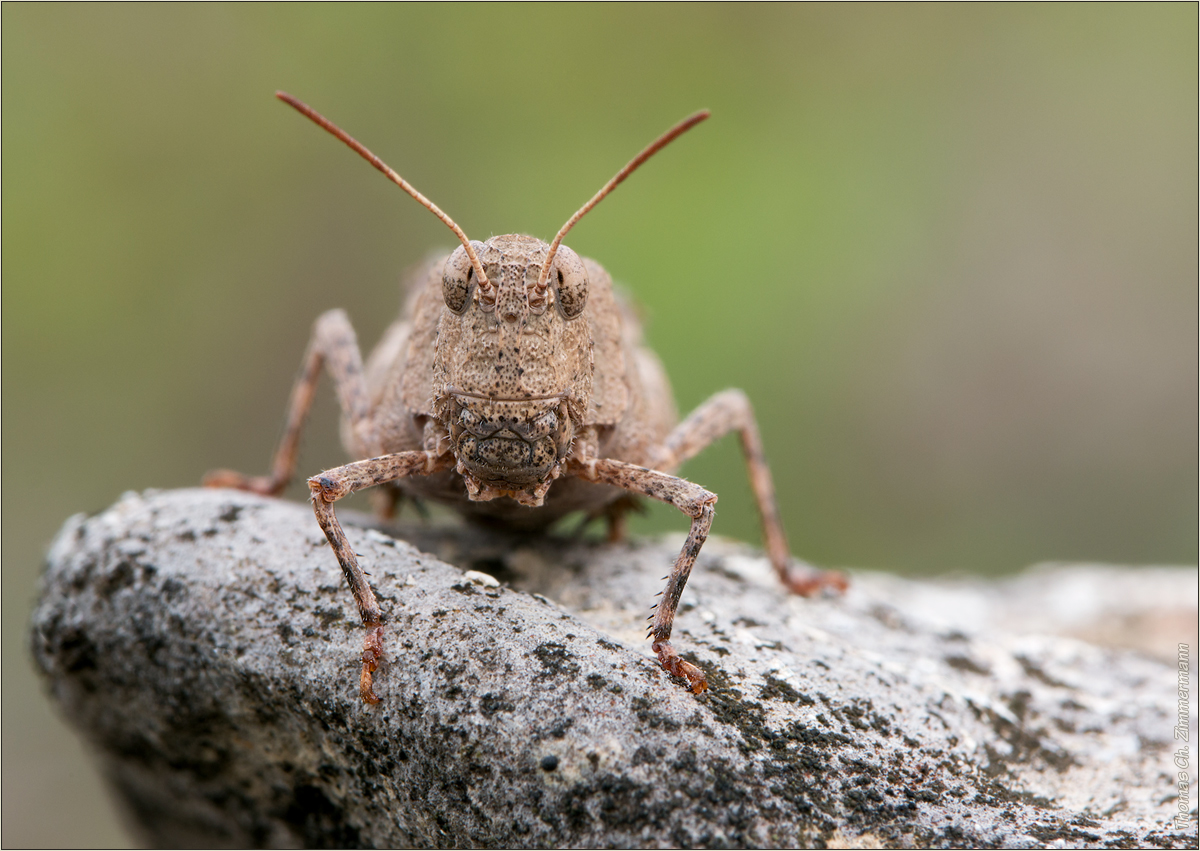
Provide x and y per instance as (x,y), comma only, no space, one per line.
(700,504)
(327,488)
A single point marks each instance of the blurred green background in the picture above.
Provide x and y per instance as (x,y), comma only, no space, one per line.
(949,251)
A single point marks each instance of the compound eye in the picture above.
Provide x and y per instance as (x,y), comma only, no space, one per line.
(570,282)
(458,276)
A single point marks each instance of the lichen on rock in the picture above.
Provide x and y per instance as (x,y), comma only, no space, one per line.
(203,642)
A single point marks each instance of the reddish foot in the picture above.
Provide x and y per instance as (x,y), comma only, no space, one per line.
(675,666)
(372,653)
(813,582)
(240,481)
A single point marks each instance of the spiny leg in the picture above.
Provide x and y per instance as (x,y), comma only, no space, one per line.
(728,411)
(693,501)
(333,344)
(330,486)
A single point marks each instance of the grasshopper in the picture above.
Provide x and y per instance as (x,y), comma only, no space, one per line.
(515,388)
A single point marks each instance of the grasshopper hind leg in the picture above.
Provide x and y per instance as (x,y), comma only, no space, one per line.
(333,344)
(723,413)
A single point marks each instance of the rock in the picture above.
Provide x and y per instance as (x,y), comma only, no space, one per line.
(204,642)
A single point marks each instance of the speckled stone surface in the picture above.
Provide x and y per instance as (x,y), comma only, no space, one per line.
(204,643)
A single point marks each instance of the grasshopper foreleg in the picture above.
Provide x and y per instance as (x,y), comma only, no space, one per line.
(330,486)
(693,501)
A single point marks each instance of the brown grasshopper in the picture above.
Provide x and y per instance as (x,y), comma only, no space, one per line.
(515,367)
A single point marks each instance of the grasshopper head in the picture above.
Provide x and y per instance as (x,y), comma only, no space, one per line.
(513,368)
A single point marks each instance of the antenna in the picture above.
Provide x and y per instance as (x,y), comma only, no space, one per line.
(649,151)
(484,284)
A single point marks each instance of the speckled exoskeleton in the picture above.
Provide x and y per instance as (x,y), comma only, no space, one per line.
(515,388)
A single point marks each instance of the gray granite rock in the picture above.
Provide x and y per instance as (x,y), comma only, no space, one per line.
(204,643)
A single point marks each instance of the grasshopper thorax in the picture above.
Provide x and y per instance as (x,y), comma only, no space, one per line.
(513,366)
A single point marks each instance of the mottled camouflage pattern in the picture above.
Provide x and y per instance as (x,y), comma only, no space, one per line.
(436,379)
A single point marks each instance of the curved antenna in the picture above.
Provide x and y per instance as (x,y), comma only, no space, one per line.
(649,151)
(321,120)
